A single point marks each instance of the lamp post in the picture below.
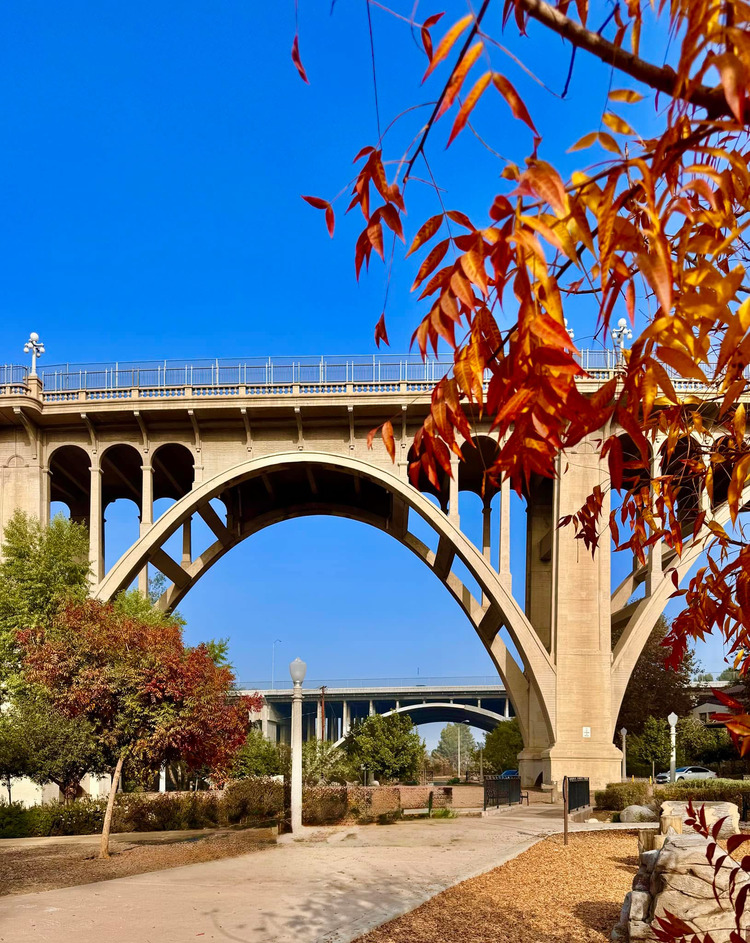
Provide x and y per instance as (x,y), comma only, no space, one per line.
(297,670)
(273,661)
(673,755)
(34,347)
(624,735)
(619,335)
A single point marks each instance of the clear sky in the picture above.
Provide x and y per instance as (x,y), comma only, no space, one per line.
(152,164)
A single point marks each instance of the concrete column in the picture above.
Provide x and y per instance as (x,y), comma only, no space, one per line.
(486,531)
(187,542)
(147,517)
(346,722)
(264,721)
(46,481)
(398,704)
(163,779)
(372,708)
(506,712)
(96,524)
(296,785)
(453,512)
(654,571)
(504,557)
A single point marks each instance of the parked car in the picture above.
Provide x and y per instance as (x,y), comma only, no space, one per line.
(509,774)
(687,772)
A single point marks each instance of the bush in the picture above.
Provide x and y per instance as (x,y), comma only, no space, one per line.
(15,821)
(709,790)
(617,796)
(167,811)
(324,805)
(253,799)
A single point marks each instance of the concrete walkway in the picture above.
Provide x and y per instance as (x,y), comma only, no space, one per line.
(329,888)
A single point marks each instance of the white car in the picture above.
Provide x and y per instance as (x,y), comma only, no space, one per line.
(687,772)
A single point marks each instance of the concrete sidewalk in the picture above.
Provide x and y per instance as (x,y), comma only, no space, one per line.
(329,888)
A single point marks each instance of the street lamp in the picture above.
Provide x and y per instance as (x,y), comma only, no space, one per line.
(297,670)
(619,334)
(673,756)
(624,735)
(34,347)
(273,661)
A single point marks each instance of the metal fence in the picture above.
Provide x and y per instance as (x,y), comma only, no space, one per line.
(500,791)
(578,793)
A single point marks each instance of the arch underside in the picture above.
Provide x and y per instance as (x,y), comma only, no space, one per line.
(444,712)
(263,492)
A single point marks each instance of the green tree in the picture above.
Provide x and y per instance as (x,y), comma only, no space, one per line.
(14,752)
(322,762)
(729,674)
(704,677)
(502,746)
(448,745)
(653,745)
(698,743)
(389,747)
(258,757)
(60,749)
(41,566)
(653,690)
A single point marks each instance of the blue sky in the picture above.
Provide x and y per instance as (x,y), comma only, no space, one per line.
(152,165)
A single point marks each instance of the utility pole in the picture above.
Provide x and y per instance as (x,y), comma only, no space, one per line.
(322,712)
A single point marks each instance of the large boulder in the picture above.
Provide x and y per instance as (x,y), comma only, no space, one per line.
(678,879)
(714,811)
(638,813)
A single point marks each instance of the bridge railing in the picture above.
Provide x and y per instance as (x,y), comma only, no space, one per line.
(256,375)
(373,684)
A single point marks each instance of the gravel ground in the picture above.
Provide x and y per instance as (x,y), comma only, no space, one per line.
(41,868)
(548,894)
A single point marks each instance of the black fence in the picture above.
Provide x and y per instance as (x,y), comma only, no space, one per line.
(501,791)
(578,793)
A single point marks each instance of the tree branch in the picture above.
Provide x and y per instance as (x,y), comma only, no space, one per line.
(663,79)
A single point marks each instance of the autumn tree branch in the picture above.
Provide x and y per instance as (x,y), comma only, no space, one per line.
(662,78)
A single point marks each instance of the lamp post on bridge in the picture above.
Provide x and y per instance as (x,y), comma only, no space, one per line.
(672,718)
(297,669)
(619,335)
(34,347)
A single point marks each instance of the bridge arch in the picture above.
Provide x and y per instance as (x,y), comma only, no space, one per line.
(264,491)
(447,712)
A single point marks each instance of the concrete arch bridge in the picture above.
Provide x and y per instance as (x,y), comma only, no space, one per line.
(244,445)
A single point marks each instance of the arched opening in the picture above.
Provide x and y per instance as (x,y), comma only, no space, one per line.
(680,467)
(121,478)
(420,478)
(70,482)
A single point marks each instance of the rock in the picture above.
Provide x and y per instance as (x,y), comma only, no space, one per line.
(648,860)
(638,813)
(714,812)
(640,902)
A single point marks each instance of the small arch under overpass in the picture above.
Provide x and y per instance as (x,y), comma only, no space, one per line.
(435,712)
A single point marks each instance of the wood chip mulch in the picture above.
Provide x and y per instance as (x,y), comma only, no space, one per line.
(43,867)
(548,894)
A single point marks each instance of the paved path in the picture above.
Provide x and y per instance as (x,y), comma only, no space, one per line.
(330,888)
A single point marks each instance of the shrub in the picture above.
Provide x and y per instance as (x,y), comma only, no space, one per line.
(618,796)
(15,821)
(324,805)
(253,799)
(710,790)
(167,811)
(83,817)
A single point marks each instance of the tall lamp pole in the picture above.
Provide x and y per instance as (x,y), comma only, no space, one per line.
(624,735)
(297,670)
(673,755)
(34,347)
(273,661)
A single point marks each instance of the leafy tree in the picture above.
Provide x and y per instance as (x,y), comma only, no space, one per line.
(59,749)
(147,697)
(644,226)
(502,746)
(654,745)
(729,674)
(41,566)
(258,757)
(14,751)
(389,747)
(322,762)
(704,677)
(448,745)
(654,690)
(134,605)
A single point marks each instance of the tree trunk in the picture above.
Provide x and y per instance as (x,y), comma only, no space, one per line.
(7,783)
(104,844)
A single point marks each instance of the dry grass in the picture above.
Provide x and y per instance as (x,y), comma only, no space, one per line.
(548,894)
(43,867)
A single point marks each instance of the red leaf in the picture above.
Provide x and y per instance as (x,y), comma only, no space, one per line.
(380,332)
(297,61)
(515,102)
(427,231)
(469,102)
(317,202)
(330,220)
(387,435)
(444,47)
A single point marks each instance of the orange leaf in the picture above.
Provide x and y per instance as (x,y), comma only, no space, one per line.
(380,332)
(387,434)
(427,231)
(734,81)
(446,43)
(655,266)
(586,141)
(680,361)
(469,102)
(459,74)
(297,61)
(515,102)
(317,202)
(431,262)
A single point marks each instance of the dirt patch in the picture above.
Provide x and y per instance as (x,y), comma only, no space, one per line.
(44,867)
(548,894)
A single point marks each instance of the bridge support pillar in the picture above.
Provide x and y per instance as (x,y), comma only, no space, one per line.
(147,517)
(96,525)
